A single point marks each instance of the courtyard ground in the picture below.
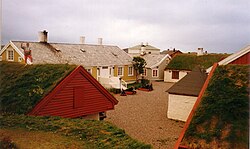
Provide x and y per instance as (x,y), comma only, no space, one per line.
(144,117)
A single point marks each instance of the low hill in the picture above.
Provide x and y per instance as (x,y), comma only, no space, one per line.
(222,118)
(92,134)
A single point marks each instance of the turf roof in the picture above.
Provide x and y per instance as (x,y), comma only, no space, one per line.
(221,120)
(22,86)
(190,61)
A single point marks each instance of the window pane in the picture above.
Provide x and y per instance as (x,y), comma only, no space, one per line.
(130,70)
(155,73)
(10,55)
(175,74)
(120,71)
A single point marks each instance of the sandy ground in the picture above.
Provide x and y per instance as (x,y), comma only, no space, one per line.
(144,117)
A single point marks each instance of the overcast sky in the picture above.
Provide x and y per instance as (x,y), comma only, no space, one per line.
(216,25)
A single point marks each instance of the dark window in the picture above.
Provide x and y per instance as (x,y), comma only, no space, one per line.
(78,96)
(175,74)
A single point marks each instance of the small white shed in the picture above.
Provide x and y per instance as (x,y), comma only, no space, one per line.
(183,94)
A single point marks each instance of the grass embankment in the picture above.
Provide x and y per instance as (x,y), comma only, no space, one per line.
(22,86)
(92,134)
(189,62)
(221,120)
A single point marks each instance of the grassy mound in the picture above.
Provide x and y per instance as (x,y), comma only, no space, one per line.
(189,62)
(221,120)
(95,134)
(22,86)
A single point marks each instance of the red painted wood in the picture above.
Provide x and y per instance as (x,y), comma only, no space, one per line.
(77,95)
(245,59)
(177,144)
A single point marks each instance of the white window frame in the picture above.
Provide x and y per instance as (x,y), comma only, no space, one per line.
(98,72)
(156,73)
(121,69)
(132,71)
(8,55)
(87,69)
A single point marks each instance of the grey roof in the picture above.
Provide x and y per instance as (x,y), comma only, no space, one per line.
(151,59)
(79,54)
(189,85)
(148,47)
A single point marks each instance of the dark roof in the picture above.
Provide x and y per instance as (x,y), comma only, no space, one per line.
(191,84)
(190,61)
(22,86)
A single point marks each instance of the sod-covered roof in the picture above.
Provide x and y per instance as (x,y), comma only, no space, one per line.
(190,61)
(22,86)
(222,118)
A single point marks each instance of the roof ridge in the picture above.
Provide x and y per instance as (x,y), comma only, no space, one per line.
(65,43)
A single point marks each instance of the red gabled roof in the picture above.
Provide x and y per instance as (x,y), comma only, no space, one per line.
(44,101)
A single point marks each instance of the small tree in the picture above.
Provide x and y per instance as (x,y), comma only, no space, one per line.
(139,64)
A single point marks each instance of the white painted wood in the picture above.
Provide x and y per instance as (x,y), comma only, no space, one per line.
(180,106)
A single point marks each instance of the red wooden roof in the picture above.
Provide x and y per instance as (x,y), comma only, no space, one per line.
(61,101)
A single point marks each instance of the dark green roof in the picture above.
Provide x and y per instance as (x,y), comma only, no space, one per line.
(190,61)
(223,114)
(22,86)
(190,85)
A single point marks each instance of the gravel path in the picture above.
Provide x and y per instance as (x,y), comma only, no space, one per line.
(143,117)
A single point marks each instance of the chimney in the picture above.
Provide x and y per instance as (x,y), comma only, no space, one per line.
(99,41)
(141,43)
(146,43)
(200,52)
(82,40)
(43,36)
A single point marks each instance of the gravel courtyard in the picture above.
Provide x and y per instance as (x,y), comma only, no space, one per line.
(143,117)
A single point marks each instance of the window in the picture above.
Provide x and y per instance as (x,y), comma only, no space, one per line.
(98,72)
(20,59)
(175,74)
(155,72)
(120,71)
(89,70)
(1,58)
(145,72)
(10,55)
(130,71)
(110,71)
(78,96)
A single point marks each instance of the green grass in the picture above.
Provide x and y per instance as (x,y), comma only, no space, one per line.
(224,110)
(22,86)
(189,61)
(95,134)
